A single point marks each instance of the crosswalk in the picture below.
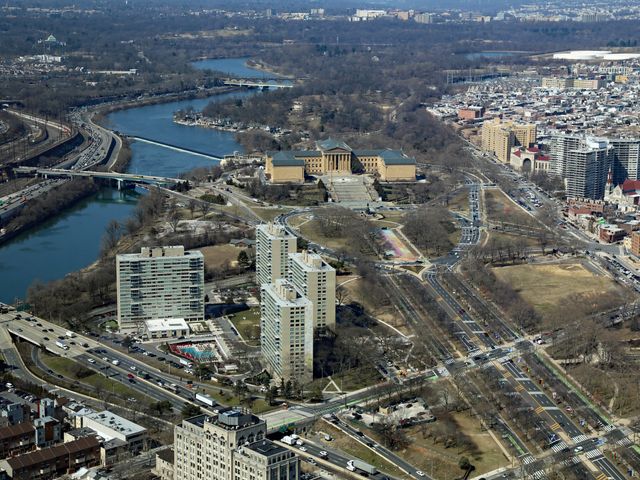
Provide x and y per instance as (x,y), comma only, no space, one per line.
(609,428)
(602,476)
(528,459)
(591,454)
(559,446)
(579,438)
(624,442)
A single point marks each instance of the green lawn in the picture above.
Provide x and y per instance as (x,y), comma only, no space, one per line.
(68,368)
(247,323)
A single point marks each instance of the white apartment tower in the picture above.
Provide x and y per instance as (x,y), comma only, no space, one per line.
(286,336)
(583,163)
(159,282)
(231,445)
(273,245)
(316,280)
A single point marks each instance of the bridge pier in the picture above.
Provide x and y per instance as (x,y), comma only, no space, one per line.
(120,183)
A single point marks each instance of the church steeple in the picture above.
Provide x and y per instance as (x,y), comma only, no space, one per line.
(609,187)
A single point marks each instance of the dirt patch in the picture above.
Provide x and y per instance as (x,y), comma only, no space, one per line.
(219,256)
(546,286)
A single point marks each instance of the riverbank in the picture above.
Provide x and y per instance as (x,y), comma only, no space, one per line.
(102,111)
(52,203)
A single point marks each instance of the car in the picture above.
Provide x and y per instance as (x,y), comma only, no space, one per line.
(311,461)
(91,360)
(105,359)
(323,454)
(420,473)
(46,339)
(303,448)
(19,330)
(130,375)
(578,449)
(328,438)
(132,367)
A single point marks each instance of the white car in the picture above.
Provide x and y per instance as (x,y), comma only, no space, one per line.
(91,360)
(420,473)
(303,449)
(578,449)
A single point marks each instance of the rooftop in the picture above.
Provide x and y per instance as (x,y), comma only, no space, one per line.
(286,159)
(116,423)
(396,157)
(267,448)
(163,324)
(50,454)
(332,144)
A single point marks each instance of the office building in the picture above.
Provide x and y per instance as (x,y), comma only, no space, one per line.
(286,336)
(316,280)
(273,245)
(231,445)
(583,164)
(159,282)
(500,137)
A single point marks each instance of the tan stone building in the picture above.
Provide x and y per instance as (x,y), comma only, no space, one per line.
(231,445)
(500,137)
(337,157)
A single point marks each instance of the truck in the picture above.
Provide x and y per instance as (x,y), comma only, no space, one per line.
(62,345)
(172,388)
(353,465)
(70,334)
(288,440)
(186,363)
(206,399)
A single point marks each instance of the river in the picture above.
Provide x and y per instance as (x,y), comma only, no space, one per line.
(71,241)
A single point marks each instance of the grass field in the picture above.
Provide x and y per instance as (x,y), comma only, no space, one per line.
(546,286)
(67,367)
(248,325)
(219,255)
(485,454)
(509,238)
(500,208)
(460,202)
(311,230)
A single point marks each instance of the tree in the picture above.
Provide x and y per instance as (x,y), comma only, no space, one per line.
(161,407)
(192,205)
(127,342)
(271,395)
(189,410)
(173,217)
(243,259)
(112,234)
(205,208)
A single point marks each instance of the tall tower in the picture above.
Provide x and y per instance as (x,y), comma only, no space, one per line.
(316,280)
(273,245)
(286,335)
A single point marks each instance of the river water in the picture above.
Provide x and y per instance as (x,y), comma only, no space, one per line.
(71,241)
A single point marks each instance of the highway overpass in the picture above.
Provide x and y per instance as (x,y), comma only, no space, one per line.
(121,178)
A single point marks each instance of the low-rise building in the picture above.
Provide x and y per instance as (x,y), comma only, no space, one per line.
(53,462)
(166,328)
(610,233)
(17,439)
(109,426)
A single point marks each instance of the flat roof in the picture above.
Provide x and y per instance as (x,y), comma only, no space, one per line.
(164,324)
(116,423)
(267,448)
